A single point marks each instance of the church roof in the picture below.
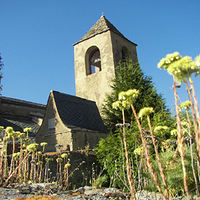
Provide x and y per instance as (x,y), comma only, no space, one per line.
(78,113)
(102,25)
(18,124)
(8,100)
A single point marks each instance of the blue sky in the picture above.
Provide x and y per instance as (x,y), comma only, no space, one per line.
(37,37)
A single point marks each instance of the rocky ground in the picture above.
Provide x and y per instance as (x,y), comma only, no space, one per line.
(52,192)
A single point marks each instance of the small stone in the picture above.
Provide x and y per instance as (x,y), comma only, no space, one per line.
(80,190)
(24,189)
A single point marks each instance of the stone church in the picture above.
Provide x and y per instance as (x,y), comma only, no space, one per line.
(72,122)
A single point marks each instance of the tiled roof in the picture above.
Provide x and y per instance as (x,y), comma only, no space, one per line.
(19,124)
(78,113)
(102,25)
(9,100)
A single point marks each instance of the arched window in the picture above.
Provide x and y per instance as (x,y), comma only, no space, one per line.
(124,53)
(93,60)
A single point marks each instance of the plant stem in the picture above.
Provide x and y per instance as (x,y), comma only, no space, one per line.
(180,139)
(10,176)
(123,169)
(5,167)
(195,100)
(158,159)
(20,159)
(129,174)
(60,170)
(196,127)
(66,176)
(191,152)
(153,175)
(12,159)
(2,161)
(32,170)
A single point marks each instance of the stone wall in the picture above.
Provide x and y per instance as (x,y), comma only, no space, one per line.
(95,86)
(83,167)
(82,139)
(59,134)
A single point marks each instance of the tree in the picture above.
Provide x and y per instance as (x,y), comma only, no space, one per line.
(111,151)
(1,66)
(128,76)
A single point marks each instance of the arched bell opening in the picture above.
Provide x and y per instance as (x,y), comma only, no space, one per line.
(93,60)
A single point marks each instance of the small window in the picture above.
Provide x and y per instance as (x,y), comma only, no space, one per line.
(93,60)
(51,123)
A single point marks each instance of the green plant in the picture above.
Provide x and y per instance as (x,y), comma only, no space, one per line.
(111,150)
(66,174)
(181,68)
(43,145)
(130,75)
(46,170)
(146,112)
(33,148)
(100,181)
(189,131)
(11,175)
(122,105)
(129,96)
(27,130)
(59,161)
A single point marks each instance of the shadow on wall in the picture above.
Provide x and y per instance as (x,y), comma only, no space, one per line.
(84,167)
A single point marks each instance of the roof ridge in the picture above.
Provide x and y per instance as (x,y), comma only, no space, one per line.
(19,101)
(112,27)
(72,96)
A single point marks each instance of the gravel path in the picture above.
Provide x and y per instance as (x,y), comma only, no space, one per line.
(45,192)
(81,193)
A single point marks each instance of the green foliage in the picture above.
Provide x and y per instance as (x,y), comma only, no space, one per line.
(59,160)
(21,168)
(43,145)
(129,75)
(100,181)
(64,155)
(32,147)
(9,129)
(1,128)
(185,105)
(170,58)
(110,151)
(146,111)
(173,170)
(67,165)
(180,67)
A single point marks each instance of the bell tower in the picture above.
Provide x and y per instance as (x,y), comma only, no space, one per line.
(96,56)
